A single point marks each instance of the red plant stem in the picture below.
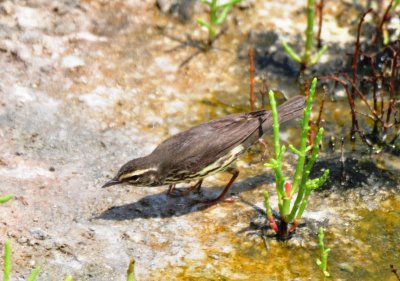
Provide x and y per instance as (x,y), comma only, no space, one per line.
(305,87)
(311,134)
(374,79)
(273,224)
(384,18)
(264,90)
(294,225)
(354,64)
(251,70)
(310,138)
(394,270)
(288,189)
(356,54)
(375,88)
(352,105)
(392,89)
(362,96)
(321,108)
(382,90)
(320,9)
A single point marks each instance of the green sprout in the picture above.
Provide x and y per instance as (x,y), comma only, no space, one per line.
(69,278)
(218,13)
(322,263)
(7,264)
(7,261)
(34,274)
(6,198)
(301,186)
(307,58)
(131,271)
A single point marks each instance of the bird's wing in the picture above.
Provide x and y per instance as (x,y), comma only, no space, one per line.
(199,146)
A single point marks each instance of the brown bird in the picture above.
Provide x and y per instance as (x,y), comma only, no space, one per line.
(204,150)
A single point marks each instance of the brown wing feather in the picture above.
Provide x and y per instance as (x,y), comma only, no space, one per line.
(203,144)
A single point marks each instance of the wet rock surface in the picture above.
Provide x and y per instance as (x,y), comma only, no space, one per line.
(88,85)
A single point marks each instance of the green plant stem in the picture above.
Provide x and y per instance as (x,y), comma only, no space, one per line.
(34,274)
(218,14)
(7,261)
(6,198)
(279,151)
(226,7)
(305,175)
(323,262)
(268,210)
(213,20)
(301,185)
(131,271)
(303,142)
(309,31)
(291,52)
(275,125)
(69,278)
(307,55)
(314,184)
(287,198)
(319,54)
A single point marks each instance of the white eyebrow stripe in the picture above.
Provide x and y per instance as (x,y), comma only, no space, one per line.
(137,173)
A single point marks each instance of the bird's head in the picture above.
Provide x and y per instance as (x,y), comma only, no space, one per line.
(136,172)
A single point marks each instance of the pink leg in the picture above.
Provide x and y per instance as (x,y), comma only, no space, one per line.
(220,198)
(171,189)
(196,187)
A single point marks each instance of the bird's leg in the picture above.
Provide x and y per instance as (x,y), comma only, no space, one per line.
(171,190)
(220,198)
(196,187)
(264,144)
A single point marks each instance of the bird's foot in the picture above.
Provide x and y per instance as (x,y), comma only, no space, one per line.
(174,192)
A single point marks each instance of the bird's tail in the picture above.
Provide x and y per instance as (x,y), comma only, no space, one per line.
(291,109)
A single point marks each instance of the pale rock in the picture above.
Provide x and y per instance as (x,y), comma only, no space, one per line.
(72,62)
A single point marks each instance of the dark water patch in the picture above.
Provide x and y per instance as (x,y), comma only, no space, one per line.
(354,172)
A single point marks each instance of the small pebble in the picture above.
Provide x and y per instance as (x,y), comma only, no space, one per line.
(38,234)
(346,267)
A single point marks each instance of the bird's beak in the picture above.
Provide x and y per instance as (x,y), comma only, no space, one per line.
(111,182)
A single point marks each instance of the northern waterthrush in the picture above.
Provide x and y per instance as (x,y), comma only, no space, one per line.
(204,150)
